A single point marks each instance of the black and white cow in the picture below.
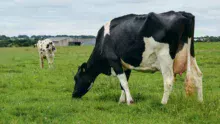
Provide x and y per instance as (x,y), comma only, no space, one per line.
(152,42)
(46,49)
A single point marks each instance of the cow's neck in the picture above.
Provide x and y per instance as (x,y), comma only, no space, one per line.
(93,66)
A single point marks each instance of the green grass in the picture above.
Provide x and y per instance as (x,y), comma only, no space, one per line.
(29,94)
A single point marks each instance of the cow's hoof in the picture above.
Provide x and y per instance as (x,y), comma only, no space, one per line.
(130,102)
(164,102)
(121,101)
(200,100)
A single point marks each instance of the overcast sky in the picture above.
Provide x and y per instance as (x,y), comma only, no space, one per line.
(77,17)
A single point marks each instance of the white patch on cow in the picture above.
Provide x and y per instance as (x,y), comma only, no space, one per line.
(90,86)
(150,61)
(107,28)
(149,55)
(124,83)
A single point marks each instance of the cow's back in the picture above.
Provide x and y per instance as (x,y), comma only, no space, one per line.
(136,39)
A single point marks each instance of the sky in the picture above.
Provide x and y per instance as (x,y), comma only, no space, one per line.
(85,17)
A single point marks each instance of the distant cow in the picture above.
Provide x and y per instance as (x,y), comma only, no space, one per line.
(46,49)
(152,42)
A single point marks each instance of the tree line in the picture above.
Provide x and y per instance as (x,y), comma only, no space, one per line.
(24,40)
(208,39)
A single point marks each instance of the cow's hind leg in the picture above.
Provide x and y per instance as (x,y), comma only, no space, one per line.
(168,79)
(166,65)
(122,98)
(198,79)
(168,84)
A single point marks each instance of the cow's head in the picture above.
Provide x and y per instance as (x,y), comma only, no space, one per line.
(51,47)
(83,81)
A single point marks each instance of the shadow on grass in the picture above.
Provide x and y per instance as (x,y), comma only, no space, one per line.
(108,97)
(139,97)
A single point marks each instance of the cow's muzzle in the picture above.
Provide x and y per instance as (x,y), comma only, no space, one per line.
(76,95)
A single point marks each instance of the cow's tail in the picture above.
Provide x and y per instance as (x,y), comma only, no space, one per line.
(193,74)
(189,86)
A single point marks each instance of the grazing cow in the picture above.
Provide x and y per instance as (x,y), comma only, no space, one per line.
(153,42)
(46,49)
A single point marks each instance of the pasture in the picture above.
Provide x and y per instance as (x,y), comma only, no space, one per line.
(29,94)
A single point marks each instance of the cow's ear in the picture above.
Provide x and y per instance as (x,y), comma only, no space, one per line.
(84,65)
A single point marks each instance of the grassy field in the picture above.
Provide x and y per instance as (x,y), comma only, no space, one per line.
(29,94)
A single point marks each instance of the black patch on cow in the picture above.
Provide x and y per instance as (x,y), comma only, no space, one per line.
(53,48)
(47,45)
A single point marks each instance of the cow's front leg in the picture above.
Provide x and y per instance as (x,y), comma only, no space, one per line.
(50,61)
(117,67)
(122,98)
(41,61)
(166,65)
(124,83)
(50,64)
